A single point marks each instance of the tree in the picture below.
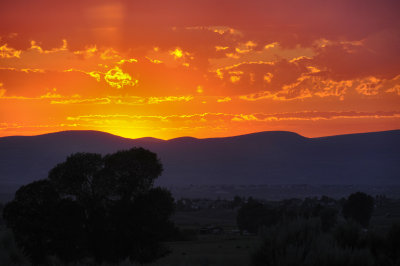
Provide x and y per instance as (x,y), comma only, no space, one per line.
(358,207)
(237,201)
(103,207)
(393,242)
(328,218)
(253,215)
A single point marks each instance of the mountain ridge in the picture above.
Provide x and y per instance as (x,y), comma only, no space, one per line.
(269,157)
(71,132)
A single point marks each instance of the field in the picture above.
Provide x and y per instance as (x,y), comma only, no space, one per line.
(224,249)
(211,251)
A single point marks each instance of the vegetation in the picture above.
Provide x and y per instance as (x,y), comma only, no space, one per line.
(312,231)
(318,239)
(303,242)
(253,214)
(359,207)
(90,206)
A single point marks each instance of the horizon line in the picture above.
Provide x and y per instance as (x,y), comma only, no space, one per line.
(228,136)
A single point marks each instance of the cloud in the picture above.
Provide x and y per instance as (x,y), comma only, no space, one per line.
(118,79)
(82,101)
(288,22)
(296,79)
(249,52)
(155,100)
(55,98)
(2,91)
(267,54)
(63,58)
(232,117)
(376,55)
(223,100)
(372,86)
(256,77)
(317,115)
(28,83)
(6,52)
(177,53)
(309,85)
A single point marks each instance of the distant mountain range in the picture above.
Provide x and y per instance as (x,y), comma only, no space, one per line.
(274,157)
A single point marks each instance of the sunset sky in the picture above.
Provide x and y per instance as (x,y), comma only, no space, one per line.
(201,68)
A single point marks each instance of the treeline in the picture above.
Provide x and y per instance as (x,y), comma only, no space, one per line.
(304,242)
(255,214)
(315,231)
(319,232)
(193,204)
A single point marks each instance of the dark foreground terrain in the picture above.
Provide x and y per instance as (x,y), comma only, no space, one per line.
(210,233)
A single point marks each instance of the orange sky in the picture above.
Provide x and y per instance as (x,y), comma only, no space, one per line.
(167,69)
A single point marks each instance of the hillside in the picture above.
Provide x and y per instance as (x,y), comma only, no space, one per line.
(261,158)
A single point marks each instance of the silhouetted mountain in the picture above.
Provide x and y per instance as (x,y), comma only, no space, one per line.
(259,158)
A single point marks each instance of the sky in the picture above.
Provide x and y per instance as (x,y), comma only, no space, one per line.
(199,68)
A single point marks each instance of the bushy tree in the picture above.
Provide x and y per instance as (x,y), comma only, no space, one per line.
(358,207)
(253,215)
(93,206)
(393,240)
(328,217)
(237,201)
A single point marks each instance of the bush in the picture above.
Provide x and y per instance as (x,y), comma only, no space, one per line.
(359,207)
(10,254)
(348,235)
(393,242)
(253,214)
(328,218)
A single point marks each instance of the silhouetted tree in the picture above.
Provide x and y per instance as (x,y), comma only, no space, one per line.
(237,201)
(93,206)
(393,243)
(303,243)
(328,218)
(253,215)
(347,235)
(1,211)
(358,207)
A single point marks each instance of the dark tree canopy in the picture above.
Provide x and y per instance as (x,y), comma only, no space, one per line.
(359,207)
(93,206)
(253,214)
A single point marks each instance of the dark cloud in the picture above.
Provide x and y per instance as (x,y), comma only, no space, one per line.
(377,55)
(362,38)
(150,22)
(253,77)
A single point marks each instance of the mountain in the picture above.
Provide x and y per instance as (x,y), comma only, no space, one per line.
(274,157)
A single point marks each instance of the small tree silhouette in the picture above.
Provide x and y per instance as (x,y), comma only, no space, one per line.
(253,215)
(358,207)
(94,206)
